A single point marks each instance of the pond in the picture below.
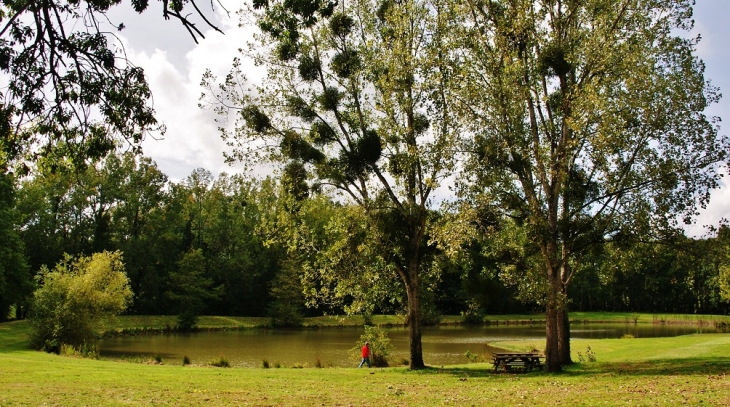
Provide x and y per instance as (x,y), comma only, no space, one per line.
(331,346)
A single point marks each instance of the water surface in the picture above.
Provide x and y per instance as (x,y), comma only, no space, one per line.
(331,346)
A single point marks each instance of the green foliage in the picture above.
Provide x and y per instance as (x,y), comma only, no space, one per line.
(380,347)
(190,288)
(473,357)
(220,361)
(75,297)
(286,291)
(723,278)
(375,78)
(15,280)
(86,350)
(627,336)
(187,320)
(473,314)
(588,123)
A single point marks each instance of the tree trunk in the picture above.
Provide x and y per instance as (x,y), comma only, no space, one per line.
(564,337)
(414,325)
(563,321)
(552,354)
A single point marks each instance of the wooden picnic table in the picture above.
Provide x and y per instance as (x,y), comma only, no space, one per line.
(522,361)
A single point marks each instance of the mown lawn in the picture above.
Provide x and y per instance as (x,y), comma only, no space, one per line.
(205,322)
(686,370)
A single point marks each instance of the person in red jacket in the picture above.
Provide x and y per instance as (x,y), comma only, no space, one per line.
(365,355)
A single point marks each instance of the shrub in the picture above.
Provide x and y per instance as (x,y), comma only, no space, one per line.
(75,297)
(85,351)
(473,314)
(473,357)
(158,358)
(220,361)
(380,346)
(589,354)
(186,321)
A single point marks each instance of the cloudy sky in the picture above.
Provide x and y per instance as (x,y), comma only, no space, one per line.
(174,65)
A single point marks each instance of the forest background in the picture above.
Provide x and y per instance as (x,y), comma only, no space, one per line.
(226,232)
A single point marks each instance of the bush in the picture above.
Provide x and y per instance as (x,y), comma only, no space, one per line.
(473,314)
(186,321)
(473,357)
(380,346)
(85,351)
(220,361)
(75,298)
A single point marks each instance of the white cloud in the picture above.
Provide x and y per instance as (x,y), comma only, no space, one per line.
(192,139)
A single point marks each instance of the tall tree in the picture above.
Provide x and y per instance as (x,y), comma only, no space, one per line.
(355,99)
(587,120)
(16,284)
(190,289)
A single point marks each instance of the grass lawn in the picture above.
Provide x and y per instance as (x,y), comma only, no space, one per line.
(686,370)
(214,322)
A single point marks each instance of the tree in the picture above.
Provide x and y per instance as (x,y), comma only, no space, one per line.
(587,122)
(16,283)
(355,103)
(190,288)
(75,297)
(287,302)
(71,92)
(243,258)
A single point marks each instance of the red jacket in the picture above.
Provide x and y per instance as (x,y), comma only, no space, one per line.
(366,351)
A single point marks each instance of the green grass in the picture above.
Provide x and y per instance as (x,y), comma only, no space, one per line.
(157,322)
(685,370)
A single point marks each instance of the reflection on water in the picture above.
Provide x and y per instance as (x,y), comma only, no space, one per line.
(331,346)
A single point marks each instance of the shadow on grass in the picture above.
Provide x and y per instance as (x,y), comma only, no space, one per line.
(14,336)
(122,355)
(658,367)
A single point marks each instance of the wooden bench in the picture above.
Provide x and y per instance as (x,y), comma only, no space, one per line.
(519,361)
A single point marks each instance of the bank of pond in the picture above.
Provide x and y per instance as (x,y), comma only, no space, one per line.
(331,346)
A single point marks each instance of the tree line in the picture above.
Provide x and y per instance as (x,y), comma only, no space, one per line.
(226,246)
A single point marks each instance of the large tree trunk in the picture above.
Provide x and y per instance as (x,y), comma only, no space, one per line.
(552,354)
(564,337)
(563,320)
(414,324)
(552,357)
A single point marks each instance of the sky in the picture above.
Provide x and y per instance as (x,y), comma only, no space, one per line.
(174,65)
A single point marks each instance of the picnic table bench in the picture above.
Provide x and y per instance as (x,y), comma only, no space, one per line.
(522,361)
